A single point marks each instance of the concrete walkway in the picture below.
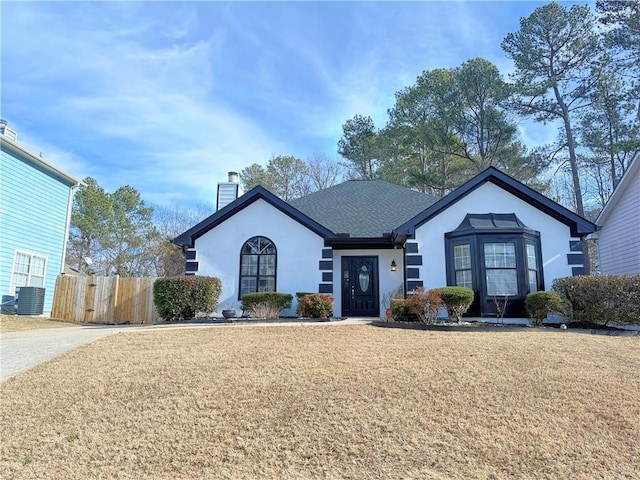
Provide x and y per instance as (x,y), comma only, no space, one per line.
(21,351)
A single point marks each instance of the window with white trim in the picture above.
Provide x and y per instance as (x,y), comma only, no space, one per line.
(28,270)
(500,268)
(532,267)
(462,265)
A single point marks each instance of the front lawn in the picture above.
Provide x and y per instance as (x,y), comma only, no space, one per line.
(328,401)
(17,323)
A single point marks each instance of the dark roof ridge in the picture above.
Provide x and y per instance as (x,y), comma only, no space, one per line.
(363,208)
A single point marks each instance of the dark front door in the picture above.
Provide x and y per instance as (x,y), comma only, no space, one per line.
(360,287)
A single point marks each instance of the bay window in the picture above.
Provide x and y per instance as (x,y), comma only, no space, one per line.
(498,257)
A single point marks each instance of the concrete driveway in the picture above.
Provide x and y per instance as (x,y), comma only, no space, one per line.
(20,351)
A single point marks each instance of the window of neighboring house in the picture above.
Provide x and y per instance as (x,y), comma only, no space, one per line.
(258,260)
(28,270)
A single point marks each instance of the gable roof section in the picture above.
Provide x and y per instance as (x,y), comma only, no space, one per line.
(37,162)
(632,172)
(363,208)
(258,193)
(579,226)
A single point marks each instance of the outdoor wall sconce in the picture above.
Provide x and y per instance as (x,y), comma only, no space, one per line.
(393,266)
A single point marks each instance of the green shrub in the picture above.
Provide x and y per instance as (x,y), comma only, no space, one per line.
(457,300)
(541,304)
(424,305)
(266,304)
(180,298)
(315,305)
(400,311)
(597,299)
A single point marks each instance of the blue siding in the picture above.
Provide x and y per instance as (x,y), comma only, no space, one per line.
(33,215)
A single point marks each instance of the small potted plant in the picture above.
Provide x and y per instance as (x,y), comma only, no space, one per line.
(229,311)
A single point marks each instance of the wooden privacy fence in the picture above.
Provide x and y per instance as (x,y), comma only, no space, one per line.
(104,300)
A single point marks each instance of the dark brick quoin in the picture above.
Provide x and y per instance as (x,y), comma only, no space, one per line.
(325,265)
(414,260)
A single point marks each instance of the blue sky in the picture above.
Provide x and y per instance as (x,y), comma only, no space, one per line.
(169,96)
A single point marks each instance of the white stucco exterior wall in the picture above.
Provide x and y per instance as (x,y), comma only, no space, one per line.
(388,281)
(298,248)
(489,198)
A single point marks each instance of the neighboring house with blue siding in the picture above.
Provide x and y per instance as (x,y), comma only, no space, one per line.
(35,209)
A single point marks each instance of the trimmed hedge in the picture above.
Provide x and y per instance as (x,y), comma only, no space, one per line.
(180,298)
(598,299)
(271,302)
(541,304)
(315,305)
(400,311)
(457,300)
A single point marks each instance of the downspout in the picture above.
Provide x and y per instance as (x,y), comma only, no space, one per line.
(67,226)
(404,270)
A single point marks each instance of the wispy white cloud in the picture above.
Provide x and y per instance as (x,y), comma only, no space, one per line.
(168,97)
(158,101)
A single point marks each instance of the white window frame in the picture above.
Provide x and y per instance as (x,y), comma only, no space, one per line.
(31,255)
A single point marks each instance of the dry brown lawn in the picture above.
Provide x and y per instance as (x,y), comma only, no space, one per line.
(16,323)
(300,402)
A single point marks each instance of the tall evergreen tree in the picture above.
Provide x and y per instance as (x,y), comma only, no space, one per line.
(114,230)
(420,126)
(92,207)
(359,146)
(126,247)
(623,19)
(553,53)
(487,133)
(609,131)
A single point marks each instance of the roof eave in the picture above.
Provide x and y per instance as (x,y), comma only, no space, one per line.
(634,167)
(39,162)
(578,225)
(351,243)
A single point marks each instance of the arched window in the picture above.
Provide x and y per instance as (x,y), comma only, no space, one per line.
(258,259)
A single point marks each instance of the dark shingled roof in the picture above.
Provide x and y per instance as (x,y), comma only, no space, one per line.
(363,208)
